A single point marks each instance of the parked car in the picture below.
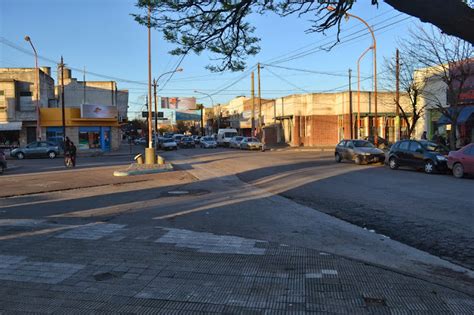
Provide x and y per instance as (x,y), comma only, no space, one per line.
(250,143)
(142,141)
(3,162)
(208,142)
(187,142)
(234,142)
(224,136)
(359,151)
(167,144)
(419,154)
(177,138)
(36,149)
(197,139)
(462,161)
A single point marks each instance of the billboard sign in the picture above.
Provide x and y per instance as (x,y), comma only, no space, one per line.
(98,111)
(179,103)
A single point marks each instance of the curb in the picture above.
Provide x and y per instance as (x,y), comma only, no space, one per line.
(132,172)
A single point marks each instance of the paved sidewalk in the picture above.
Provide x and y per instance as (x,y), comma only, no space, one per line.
(117,268)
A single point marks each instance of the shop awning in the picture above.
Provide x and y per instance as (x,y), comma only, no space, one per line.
(464,115)
(9,126)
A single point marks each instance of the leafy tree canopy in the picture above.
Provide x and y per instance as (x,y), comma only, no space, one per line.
(222,26)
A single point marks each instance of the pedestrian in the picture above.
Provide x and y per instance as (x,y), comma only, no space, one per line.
(73,151)
(423,136)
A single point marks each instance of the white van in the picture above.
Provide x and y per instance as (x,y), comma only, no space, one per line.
(224,136)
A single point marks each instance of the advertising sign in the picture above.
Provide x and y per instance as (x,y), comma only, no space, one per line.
(98,111)
(179,103)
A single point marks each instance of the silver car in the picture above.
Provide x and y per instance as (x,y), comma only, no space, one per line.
(208,142)
(235,142)
(36,149)
(359,151)
(250,143)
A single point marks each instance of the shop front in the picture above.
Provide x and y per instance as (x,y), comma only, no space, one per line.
(89,134)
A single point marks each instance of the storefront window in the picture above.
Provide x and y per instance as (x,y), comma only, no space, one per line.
(9,138)
(89,138)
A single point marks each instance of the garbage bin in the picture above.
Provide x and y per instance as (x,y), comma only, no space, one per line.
(138,158)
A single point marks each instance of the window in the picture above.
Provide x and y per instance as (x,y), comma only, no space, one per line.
(2,101)
(403,145)
(414,146)
(470,151)
(342,143)
(26,101)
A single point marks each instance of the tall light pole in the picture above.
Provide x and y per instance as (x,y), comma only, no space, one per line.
(374,47)
(358,90)
(38,131)
(149,151)
(155,86)
(212,105)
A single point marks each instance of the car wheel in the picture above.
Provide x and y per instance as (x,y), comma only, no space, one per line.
(358,160)
(20,155)
(392,163)
(429,167)
(51,154)
(458,170)
(338,158)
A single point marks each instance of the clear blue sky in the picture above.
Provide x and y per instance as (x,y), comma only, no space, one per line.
(102,36)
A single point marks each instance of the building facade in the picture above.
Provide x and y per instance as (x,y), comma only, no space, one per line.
(94,111)
(18,102)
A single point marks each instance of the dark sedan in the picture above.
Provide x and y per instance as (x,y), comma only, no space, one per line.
(36,149)
(419,154)
(359,151)
(187,142)
(462,161)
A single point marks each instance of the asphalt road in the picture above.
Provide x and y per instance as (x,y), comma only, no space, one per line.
(433,213)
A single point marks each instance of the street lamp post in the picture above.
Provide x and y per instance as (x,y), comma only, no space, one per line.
(38,131)
(155,84)
(374,47)
(212,105)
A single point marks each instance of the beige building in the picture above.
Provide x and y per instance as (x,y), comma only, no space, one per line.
(18,113)
(319,119)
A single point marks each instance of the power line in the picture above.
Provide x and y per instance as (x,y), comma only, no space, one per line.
(284,80)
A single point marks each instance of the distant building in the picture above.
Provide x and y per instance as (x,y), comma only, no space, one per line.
(18,114)
(94,111)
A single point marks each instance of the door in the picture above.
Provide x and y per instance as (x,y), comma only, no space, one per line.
(468,160)
(402,153)
(415,154)
(42,150)
(349,150)
(30,134)
(31,150)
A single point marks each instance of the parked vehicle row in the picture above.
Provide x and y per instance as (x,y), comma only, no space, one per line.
(418,154)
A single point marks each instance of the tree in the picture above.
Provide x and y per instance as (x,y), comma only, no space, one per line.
(448,67)
(222,27)
(409,85)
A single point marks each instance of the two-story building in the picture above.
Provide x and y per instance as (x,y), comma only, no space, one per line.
(18,103)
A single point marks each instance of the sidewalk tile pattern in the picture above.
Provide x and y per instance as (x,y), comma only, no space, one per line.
(156,270)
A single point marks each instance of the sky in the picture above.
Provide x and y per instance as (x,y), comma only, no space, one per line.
(101,36)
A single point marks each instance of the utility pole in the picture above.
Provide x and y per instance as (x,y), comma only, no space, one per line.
(155,85)
(149,151)
(84,84)
(259,104)
(350,105)
(253,104)
(397,97)
(62,99)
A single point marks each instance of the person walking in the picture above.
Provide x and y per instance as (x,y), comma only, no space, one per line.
(423,136)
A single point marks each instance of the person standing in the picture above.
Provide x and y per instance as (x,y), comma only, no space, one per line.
(423,136)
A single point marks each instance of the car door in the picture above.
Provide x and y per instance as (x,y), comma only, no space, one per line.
(401,153)
(43,148)
(349,150)
(415,154)
(31,150)
(468,160)
(340,147)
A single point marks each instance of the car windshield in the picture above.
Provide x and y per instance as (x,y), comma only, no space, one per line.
(230,134)
(362,144)
(167,140)
(238,138)
(208,139)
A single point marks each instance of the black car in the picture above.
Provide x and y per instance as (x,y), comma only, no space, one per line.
(359,151)
(187,142)
(419,154)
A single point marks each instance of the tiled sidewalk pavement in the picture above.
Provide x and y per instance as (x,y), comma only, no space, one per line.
(118,268)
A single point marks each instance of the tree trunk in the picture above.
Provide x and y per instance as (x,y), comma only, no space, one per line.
(453,17)
(452,135)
